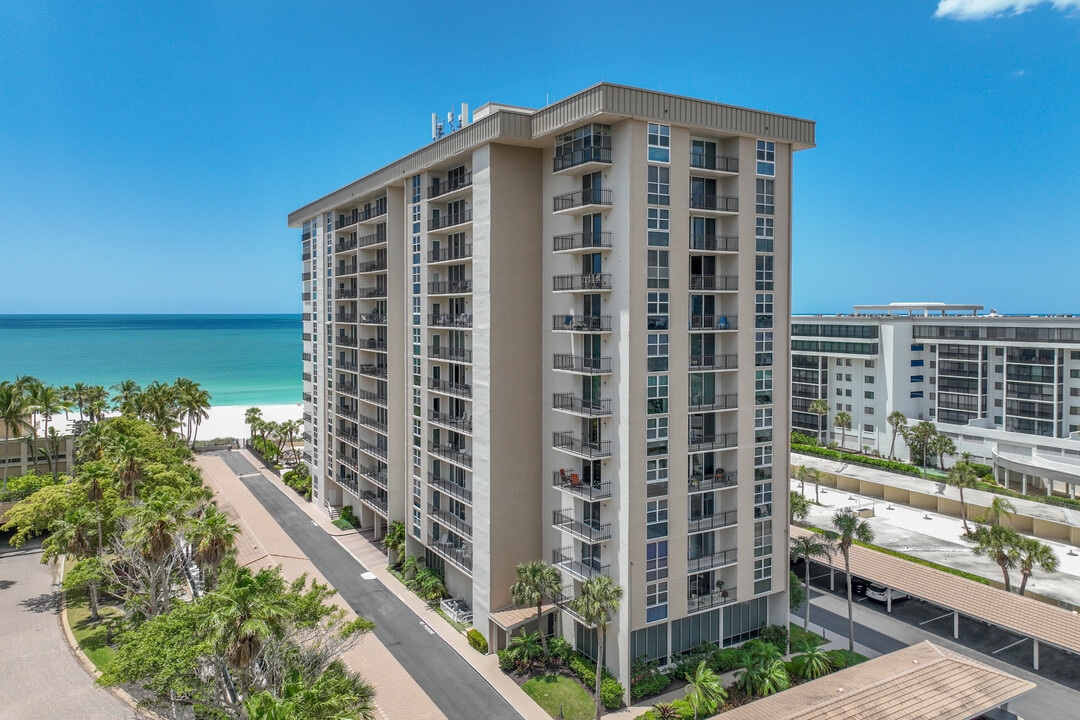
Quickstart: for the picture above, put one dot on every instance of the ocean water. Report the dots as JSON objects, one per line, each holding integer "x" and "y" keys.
{"x": 239, "y": 359}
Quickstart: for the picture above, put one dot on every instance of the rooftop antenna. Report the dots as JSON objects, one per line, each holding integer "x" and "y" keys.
{"x": 450, "y": 121}
{"x": 436, "y": 127}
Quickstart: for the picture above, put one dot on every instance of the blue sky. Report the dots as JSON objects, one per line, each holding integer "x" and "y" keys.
{"x": 150, "y": 152}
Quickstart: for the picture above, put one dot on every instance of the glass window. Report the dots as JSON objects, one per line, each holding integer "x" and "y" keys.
{"x": 763, "y": 386}
{"x": 659, "y": 186}
{"x": 658, "y": 268}
{"x": 766, "y": 157}
{"x": 763, "y": 538}
{"x": 658, "y": 394}
{"x": 656, "y": 560}
{"x": 656, "y": 428}
{"x": 658, "y": 352}
{"x": 659, "y": 143}
{"x": 659, "y": 224}
{"x": 656, "y": 470}
{"x": 763, "y": 456}
{"x": 763, "y": 278}
{"x": 655, "y": 601}
{"x": 762, "y": 575}
{"x": 656, "y": 518}
{"x": 765, "y": 200}
{"x": 764, "y": 229}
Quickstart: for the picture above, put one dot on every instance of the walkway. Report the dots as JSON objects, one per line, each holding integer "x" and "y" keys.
{"x": 41, "y": 678}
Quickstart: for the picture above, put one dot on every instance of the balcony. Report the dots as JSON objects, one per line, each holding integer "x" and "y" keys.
{"x": 370, "y": 422}
{"x": 451, "y": 388}
{"x": 373, "y": 344}
{"x": 461, "y": 424}
{"x": 564, "y": 520}
{"x": 372, "y": 266}
{"x": 571, "y": 403}
{"x": 349, "y": 483}
{"x": 583, "y": 159}
{"x": 714, "y": 203}
{"x": 371, "y": 397}
{"x": 448, "y": 254}
{"x": 451, "y": 521}
{"x": 586, "y": 282}
{"x": 345, "y": 317}
{"x": 569, "y": 481}
{"x": 372, "y": 292}
{"x": 458, "y": 182}
{"x": 374, "y": 474}
{"x": 349, "y": 436}
{"x": 714, "y": 322}
{"x": 348, "y": 461}
{"x": 714, "y": 362}
{"x": 345, "y": 294}
{"x": 581, "y": 323}
{"x": 582, "y": 241}
{"x": 581, "y": 201}
{"x": 376, "y": 238}
{"x": 712, "y": 441}
{"x": 461, "y": 320}
{"x": 570, "y": 443}
{"x": 373, "y": 371}
{"x": 451, "y": 452}
{"x": 451, "y": 488}
{"x": 442, "y": 222}
{"x": 718, "y": 480}
{"x": 347, "y": 389}
{"x": 705, "y": 403}
{"x": 459, "y": 556}
{"x": 582, "y": 365}
{"x": 374, "y": 501}
{"x": 715, "y": 243}
{"x": 449, "y": 287}
{"x": 711, "y": 562}
{"x": 346, "y": 340}
{"x": 442, "y": 352}
{"x": 345, "y": 244}
{"x": 713, "y": 522}
{"x": 563, "y": 558}
{"x": 345, "y": 413}
{"x": 371, "y": 319}
{"x": 714, "y": 283}
{"x": 697, "y": 603}
{"x": 718, "y": 163}
{"x": 372, "y": 449}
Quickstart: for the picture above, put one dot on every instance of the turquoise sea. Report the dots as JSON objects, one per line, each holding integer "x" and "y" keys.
{"x": 239, "y": 359}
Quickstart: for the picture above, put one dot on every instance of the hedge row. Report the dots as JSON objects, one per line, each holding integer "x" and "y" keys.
{"x": 855, "y": 459}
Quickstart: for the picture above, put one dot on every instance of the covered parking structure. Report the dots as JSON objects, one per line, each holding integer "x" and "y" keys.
{"x": 1032, "y": 619}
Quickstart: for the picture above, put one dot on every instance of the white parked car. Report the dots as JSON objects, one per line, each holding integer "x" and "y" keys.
{"x": 882, "y": 593}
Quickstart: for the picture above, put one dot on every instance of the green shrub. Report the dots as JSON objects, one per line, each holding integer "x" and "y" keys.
{"x": 775, "y": 635}
{"x": 560, "y": 649}
{"x": 348, "y": 514}
{"x": 856, "y": 459}
{"x": 342, "y": 524}
{"x": 728, "y": 659}
{"x": 981, "y": 470}
{"x": 24, "y": 486}
{"x": 506, "y": 661}
{"x": 477, "y": 640}
{"x": 652, "y": 684}
{"x": 611, "y": 693}
{"x": 798, "y": 438}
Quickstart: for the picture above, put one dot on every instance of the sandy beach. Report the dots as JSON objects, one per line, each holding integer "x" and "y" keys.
{"x": 224, "y": 421}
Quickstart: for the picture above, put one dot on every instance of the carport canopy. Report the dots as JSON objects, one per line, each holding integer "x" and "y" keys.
{"x": 1021, "y": 615}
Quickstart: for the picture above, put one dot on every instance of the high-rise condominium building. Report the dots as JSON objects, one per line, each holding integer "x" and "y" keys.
{"x": 1005, "y": 388}
{"x": 549, "y": 335}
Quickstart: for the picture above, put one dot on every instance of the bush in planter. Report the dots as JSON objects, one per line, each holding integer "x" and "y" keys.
{"x": 611, "y": 693}
{"x": 649, "y": 684}
{"x": 478, "y": 641}
{"x": 342, "y": 524}
{"x": 506, "y": 661}
{"x": 777, "y": 636}
{"x": 559, "y": 649}
{"x": 728, "y": 659}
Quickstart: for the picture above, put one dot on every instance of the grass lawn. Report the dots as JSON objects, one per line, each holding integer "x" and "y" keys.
{"x": 849, "y": 658}
{"x": 554, "y": 691}
{"x": 90, "y": 636}
{"x": 798, "y": 634}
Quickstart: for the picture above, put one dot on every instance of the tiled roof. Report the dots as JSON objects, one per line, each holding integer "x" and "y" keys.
{"x": 1031, "y": 618}
{"x": 922, "y": 681}
{"x": 512, "y": 616}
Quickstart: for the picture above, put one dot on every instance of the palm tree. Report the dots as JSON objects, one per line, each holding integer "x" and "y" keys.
{"x": 842, "y": 420}
{"x": 126, "y": 397}
{"x": 897, "y": 421}
{"x": 211, "y": 534}
{"x": 599, "y": 598}
{"x": 336, "y": 694}
{"x": 801, "y": 474}
{"x": 962, "y": 475}
{"x": 126, "y": 453}
{"x": 533, "y": 582}
{"x": 704, "y": 691}
{"x": 941, "y": 445}
{"x": 526, "y": 649}
{"x": 1000, "y": 544}
{"x": 816, "y": 475}
{"x": 798, "y": 507}
{"x": 821, "y": 409}
{"x": 1000, "y": 508}
{"x": 155, "y": 525}
{"x": 289, "y": 429}
{"x": 96, "y": 402}
{"x": 1035, "y": 554}
{"x": 765, "y": 673}
{"x": 812, "y": 663}
{"x": 77, "y": 395}
{"x": 918, "y": 436}
{"x": 251, "y": 418}
{"x": 46, "y": 399}
{"x": 807, "y": 548}
{"x": 15, "y": 415}
{"x": 194, "y": 402}
{"x": 394, "y": 539}
{"x": 849, "y": 528}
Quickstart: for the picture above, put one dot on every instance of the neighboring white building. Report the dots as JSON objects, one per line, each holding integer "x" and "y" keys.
{"x": 549, "y": 334}
{"x": 1005, "y": 388}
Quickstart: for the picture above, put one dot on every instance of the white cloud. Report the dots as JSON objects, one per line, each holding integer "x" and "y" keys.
{"x": 982, "y": 9}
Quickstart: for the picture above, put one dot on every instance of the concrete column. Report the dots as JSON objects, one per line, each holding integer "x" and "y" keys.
{"x": 1049, "y": 487}
{"x": 888, "y": 600}
{"x": 1023, "y": 483}
{"x": 832, "y": 580}
{"x": 955, "y": 625}
{"x": 1035, "y": 652}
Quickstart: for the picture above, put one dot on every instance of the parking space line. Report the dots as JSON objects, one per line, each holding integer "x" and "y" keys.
{"x": 1021, "y": 640}
{"x": 939, "y": 617}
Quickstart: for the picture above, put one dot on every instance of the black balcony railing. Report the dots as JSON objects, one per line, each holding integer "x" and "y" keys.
{"x": 460, "y": 320}
{"x": 376, "y": 238}
{"x": 581, "y": 198}
{"x": 592, "y": 407}
{"x": 374, "y": 370}
{"x": 449, "y": 220}
{"x": 372, "y": 266}
{"x": 715, "y": 243}
{"x": 717, "y": 480}
{"x": 719, "y": 203}
{"x": 581, "y": 323}
{"x": 712, "y": 441}
{"x": 450, "y": 520}
{"x": 460, "y": 422}
{"x": 452, "y": 252}
{"x": 451, "y": 488}
{"x": 372, "y": 449}
{"x": 714, "y": 322}
{"x": 345, "y": 294}
{"x": 346, "y": 269}
{"x": 714, "y": 162}
{"x": 374, "y": 474}
{"x": 449, "y": 287}
{"x": 372, "y": 292}
{"x": 373, "y": 344}
{"x": 371, "y": 319}
{"x": 584, "y": 365}
{"x": 717, "y": 283}
{"x": 375, "y": 501}
{"x": 582, "y": 241}
{"x": 714, "y": 362}
{"x": 458, "y": 555}
{"x": 567, "y": 440}
{"x": 582, "y": 281}
{"x": 599, "y": 154}
{"x": 372, "y": 397}
{"x": 451, "y": 388}
{"x": 459, "y": 181}
{"x": 696, "y": 603}
{"x": 571, "y": 481}
{"x": 719, "y": 559}
{"x": 452, "y": 452}
{"x": 442, "y": 352}
{"x": 564, "y": 559}
{"x": 564, "y": 520}
{"x": 705, "y": 403}
{"x": 345, "y": 244}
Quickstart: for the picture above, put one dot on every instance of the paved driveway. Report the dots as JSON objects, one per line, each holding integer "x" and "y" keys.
{"x": 39, "y": 677}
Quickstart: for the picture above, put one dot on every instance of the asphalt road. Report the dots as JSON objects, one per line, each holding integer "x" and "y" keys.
{"x": 1057, "y": 696}
{"x": 452, "y": 684}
